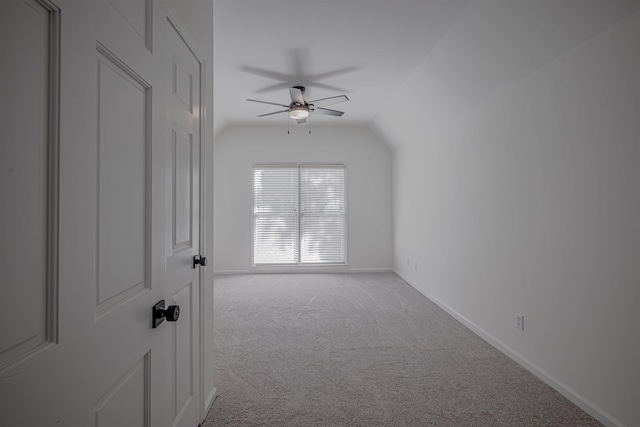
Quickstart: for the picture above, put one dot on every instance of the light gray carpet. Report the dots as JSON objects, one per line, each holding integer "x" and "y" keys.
{"x": 362, "y": 350}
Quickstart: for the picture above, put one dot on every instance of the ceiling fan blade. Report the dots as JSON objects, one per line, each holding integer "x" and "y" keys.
{"x": 300, "y": 121}
{"x": 326, "y": 75}
{"x": 326, "y": 87}
{"x": 328, "y": 112}
{"x": 270, "y": 103}
{"x": 329, "y": 101}
{"x": 266, "y": 73}
{"x": 296, "y": 95}
{"x": 274, "y": 87}
{"x": 275, "y": 112}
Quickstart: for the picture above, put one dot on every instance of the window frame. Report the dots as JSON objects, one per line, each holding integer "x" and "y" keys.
{"x": 299, "y": 265}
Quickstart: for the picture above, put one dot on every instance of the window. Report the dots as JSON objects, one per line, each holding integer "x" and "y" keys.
{"x": 298, "y": 214}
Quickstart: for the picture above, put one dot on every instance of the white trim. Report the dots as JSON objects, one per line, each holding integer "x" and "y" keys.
{"x": 208, "y": 402}
{"x": 345, "y": 192}
{"x": 580, "y": 401}
{"x": 303, "y": 270}
{"x": 371, "y": 270}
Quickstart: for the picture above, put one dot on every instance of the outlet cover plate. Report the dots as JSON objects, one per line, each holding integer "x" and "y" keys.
{"x": 519, "y": 322}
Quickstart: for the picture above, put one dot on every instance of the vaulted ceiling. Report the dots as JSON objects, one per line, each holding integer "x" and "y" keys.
{"x": 464, "y": 51}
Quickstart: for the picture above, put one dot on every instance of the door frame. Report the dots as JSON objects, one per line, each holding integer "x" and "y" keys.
{"x": 174, "y": 20}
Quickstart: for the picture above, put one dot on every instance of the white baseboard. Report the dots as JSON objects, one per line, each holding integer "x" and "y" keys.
{"x": 370, "y": 270}
{"x": 303, "y": 270}
{"x": 208, "y": 402}
{"x": 230, "y": 272}
{"x": 586, "y": 405}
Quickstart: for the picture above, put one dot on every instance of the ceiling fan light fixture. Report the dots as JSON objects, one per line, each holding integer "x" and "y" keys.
{"x": 299, "y": 113}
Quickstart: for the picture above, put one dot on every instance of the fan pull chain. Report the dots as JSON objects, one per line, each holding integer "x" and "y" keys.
{"x": 288, "y": 124}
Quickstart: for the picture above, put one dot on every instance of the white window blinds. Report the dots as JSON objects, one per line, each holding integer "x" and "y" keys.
{"x": 299, "y": 215}
{"x": 276, "y": 215}
{"x": 322, "y": 214}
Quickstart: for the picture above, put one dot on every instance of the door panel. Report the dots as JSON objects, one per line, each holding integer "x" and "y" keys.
{"x": 183, "y": 368}
{"x": 182, "y": 173}
{"x": 183, "y": 281}
{"x": 27, "y": 147}
{"x": 183, "y": 85}
{"x": 123, "y": 220}
{"x": 127, "y": 403}
{"x": 138, "y": 14}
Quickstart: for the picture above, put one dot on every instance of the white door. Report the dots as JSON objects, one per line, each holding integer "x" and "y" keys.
{"x": 83, "y": 213}
{"x": 184, "y": 243}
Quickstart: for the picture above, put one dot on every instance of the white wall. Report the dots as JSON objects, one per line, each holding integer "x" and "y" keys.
{"x": 530, "y": 203}
{"x": 368, "y": 162}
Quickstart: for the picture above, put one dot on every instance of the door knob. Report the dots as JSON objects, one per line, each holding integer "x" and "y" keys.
{"x": 171, "y": 313}
{"x": 199, "y": 259}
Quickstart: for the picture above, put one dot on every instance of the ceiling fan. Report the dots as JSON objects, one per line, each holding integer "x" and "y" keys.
{"x": 299, "y": 109}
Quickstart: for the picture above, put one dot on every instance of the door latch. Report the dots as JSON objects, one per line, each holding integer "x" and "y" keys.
{"x": 199, "y": 259}
{"x": 171, "y": 313}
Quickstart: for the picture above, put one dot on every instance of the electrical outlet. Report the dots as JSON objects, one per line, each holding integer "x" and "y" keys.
{"x": 519, "y": 322}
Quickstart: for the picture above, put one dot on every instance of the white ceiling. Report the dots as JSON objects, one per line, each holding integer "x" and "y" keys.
{"x": 366, "y": 49}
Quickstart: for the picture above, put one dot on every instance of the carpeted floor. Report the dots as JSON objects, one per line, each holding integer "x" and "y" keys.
{"x": 362, "y": 350}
